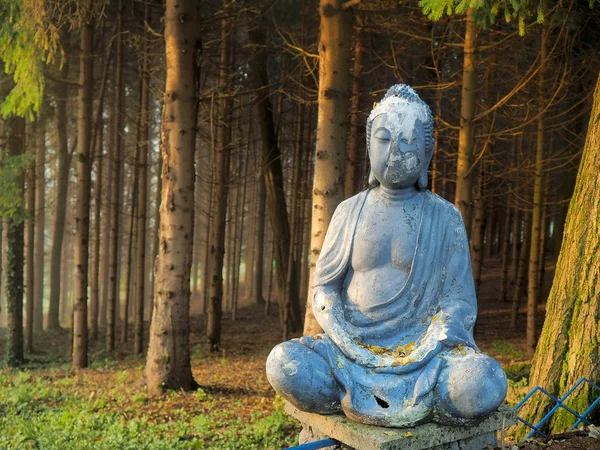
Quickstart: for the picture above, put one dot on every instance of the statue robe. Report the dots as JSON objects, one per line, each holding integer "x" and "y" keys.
{"x": 438, "y": 293}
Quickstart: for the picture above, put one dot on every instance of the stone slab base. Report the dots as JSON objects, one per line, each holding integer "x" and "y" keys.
{"x": 428, "y": 436}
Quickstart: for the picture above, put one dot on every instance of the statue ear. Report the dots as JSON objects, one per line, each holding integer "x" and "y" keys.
{"x": 422, "y": 181}
{"x": 372, "y": 180}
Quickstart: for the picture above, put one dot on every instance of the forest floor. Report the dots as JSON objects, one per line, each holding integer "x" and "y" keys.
{"x": 47, "y": 406}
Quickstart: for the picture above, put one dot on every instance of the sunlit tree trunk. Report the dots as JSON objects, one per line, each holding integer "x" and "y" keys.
{"x": 520, "y": 280}
{"x": 168, "y": 363}
{"x": 464, "y": 186}
{"x": 82, "y": 218}
{"x": 14, "y": 246}
{"x": 332, "y": 128}
{"x": 568, "y": 345}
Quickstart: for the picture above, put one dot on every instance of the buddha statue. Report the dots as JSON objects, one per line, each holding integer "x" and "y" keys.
{"x": 393, "y": 290}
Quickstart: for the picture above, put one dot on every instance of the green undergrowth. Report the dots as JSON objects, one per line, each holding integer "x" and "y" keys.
{"x": 45, "y": 412}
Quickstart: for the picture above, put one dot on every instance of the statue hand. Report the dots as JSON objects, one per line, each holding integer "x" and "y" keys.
{"x": 415, "y": 360}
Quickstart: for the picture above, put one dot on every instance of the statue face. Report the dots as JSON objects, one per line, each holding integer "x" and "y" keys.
{"x": 397, "y": 148}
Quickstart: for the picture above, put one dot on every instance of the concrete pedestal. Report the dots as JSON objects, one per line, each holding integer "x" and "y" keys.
{"x": 428, "y": 436}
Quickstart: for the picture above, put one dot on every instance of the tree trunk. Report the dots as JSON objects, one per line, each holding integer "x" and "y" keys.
{"x": 258, "y": 262}
{"x": 221, "y": 168}
{"x": 30, "y": 281}
{"x": 464, "y": 190}
{"x": 478, "y": 231}
{"x": 534, "y": 254}
{"x": 506, "y": 252}
{"x": 140, "y": 280}
{"x": 40, "y": 220}
{"x": 168, "y": 363}
{"x": 520, "y": 280}
{"x": 351, "y": 179}
{"x": 330, "y": 152}
{"x": 14, "y": 238}
{"x": 115, "y": 204}
{"x": 82, "y": 218}
{"x": 568, "y": 345}
{"x": 62, "y": 185}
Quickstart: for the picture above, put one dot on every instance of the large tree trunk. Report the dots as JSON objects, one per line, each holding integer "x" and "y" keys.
{"x": 221, "y": 168}
{"x": 568, "y": 345}
{"x": 168, "y": 363}
{"x": 464, "y": 189}
{"x": 330, "y": 152}
{"x": 62, "y": 185}
{"x": 14, "y": 242}
{"x": 82, "y": 218}
{"x": 115, "y": 204}
{"x": 30, "y": 244}
{"x": 140, "y": 279}
{"x": 40, "y": 220}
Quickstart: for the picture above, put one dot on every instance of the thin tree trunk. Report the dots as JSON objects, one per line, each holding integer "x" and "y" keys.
{"x": 534, "y": 254}
{"x": 62, "y": 185}
{"x": 117, "y": 127}
{"x": 140, "y": 281}
{"x": 353, "y": 157}
{"x": 40, "y": 220}
{"x": 30, "y": 281}
{"x": 520, "y": 280}
{"x": 168, "y": 362}
{"x": 14, "y": 242}
{"x": 506, "y": 252}
{"x": 259, "y": 238}
{"x": 334, "y": 80}
{"x": 464, "y": 189}
{"x": 221, "y": 167}
{"x": 478, "y": 231}
{"x": 82, "y": 218}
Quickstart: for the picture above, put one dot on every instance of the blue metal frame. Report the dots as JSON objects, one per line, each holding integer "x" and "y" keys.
{"x": 559, "y": 403}
{"x": 317, "y": 444}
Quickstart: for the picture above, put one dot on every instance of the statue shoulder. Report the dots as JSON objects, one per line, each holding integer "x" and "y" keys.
{"x": 350, "y": 204}
{"x": 444, "y": 206}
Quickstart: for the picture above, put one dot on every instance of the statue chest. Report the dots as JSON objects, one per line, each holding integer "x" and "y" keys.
{"x": 385, "y": 239}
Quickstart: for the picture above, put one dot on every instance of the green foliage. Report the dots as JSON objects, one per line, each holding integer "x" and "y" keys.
{"x": 487, "y": 12}
{"x": 39, "y": 412}
{"x": 11, "y": 199}
{"x": 28, "y": 41}
{"x": 507, "y": 350}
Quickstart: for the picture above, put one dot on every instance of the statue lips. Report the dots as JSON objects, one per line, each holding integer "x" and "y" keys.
{"x": 402, "y": 166}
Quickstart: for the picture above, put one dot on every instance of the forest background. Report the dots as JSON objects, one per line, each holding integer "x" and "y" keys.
{"x": 169, "y": 172}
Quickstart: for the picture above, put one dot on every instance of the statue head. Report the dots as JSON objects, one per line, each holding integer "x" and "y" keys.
{"x": 400, "y": 139}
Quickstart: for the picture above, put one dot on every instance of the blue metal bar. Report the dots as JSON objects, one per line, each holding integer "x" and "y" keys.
{"x": 316, "y": 445}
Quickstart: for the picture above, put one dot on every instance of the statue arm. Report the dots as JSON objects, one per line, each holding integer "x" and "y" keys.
{"x": 458, "y": 305}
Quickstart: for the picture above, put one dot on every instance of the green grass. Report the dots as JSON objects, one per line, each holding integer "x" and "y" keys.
{"x": 46, "y": 412}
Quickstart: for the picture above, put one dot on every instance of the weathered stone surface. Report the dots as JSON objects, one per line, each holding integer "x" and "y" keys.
{"x": 428, "y": 436}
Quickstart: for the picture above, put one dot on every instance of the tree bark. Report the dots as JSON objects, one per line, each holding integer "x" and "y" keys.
{"x": 14, "y": 242}
{"x": 82, "y": 218}
{"x": 464, "y": 189}
{"x": 168, "y": 363}
{"x": 520, "y": 280}
{"x": 330, "y": 152}
{"x": 506, "y": 252}
{"x": 568, "y": 345}
{"x": 258, "y": 262}
{"x": 478, "y": 232}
